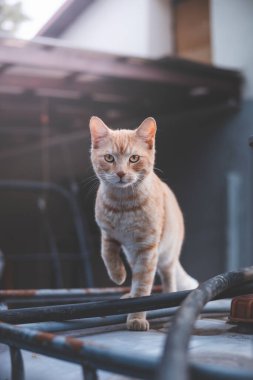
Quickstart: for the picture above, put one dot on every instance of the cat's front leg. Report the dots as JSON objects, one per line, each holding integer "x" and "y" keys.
{"x": 112, "y": 259}
{"x": 143, "y": 273}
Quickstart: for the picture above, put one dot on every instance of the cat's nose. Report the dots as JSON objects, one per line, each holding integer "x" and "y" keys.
{"x": 121, "y": 174}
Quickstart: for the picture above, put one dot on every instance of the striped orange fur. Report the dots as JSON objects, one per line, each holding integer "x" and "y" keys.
{"x": 136, "y": 212}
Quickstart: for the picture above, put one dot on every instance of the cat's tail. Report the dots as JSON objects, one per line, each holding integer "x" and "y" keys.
{"x": 184, "y": 280}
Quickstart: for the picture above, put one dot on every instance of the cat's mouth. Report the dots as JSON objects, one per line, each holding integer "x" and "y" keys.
{"x": 121, "y": 183}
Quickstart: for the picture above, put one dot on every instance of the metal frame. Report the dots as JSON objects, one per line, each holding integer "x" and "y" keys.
{"x": 37, "y": 335}
{"x": 46, "y": 187}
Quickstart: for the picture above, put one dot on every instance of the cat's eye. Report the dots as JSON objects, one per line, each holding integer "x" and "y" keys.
{"x": 134, "y": 158}
{"x": 109, "y": 158}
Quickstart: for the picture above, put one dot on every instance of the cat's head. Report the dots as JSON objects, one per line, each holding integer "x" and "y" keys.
{"x": 122, "y": 158}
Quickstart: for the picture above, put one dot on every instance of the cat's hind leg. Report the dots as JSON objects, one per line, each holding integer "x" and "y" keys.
{"x": 167, "y": 264}
{"x": 168, "y": 276}
{"x": 113, "y": 262}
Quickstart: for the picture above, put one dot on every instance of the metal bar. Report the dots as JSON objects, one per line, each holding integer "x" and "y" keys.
{"x": 77, "y": 351}
{"x": 234, "y": 221}
{"x": 20, "y": 303}
{"x": 47, "y": 293}
{"x": 117, "y": 319}
{"x": 199, "y": 371}
{"x": 24, "y": 298}
{"x": 55, "y": 259}
{"x": 77, "y": 218}
{"x": 96, "y": 309}
{"x": 92, "y": 322}
{"x": 173, "y": 364}
{"x": 81, "y": 292}
{"x": 17, "y": 364}
{"x": 92, "y": 309}
{"x": 89, "y": 373}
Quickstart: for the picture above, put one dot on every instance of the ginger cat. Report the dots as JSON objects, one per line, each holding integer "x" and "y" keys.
{"x": 137, "y": 212}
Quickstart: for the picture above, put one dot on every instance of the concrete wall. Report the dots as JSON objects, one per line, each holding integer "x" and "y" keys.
{"x": 232, "y": 31}
{"x": 197, "y": 153}
{"x": 139, "y": 28}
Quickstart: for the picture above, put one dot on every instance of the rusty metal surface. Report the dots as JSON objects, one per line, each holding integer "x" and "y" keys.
{"x": 214, "y": 341}
{"x": 65, "y": 292}
{"x": 108, "y": 347}
{"x": 242, "y": 309}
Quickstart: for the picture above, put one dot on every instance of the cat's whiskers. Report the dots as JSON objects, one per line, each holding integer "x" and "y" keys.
{"x": 87, "y": 180}
{"x": 93, "y": 187}
{"x": 161, "y": 171}
{"x": 92, "y": 183}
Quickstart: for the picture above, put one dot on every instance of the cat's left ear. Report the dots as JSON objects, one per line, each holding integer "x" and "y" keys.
{"x": 147, "y": 131}
{"x": 98, "y": 130}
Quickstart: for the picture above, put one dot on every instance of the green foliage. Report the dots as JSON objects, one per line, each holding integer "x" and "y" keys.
{"x": 11, "y": 16}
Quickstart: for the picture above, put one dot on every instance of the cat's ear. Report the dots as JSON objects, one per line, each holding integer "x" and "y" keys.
{"x": 147, "y": 131}
{"x": 98, "y": 130}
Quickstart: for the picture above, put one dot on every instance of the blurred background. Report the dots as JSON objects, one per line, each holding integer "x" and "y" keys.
{"x": 188, "y": 63}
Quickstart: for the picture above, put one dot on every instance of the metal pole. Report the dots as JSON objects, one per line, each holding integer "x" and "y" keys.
{"x": 174, "y": 361}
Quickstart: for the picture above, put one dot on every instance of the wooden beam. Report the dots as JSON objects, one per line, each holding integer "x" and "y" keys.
{"x": 104, "y": 65}
{"x": 135, "y": 91}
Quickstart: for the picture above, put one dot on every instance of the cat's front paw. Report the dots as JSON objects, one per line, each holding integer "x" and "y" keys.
{"x": 118, "y": 276}
{"x": 137, "y": 324}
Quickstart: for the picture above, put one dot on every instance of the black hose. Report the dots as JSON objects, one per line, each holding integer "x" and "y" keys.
{"x": 103, "y": 308}
{"x": 92, "y": 309}
{"x": 174, "y": 362}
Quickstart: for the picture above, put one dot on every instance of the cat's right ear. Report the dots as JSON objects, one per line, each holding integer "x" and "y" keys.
{"x": 98, "y": 130}
{"x": 147, "y": 131}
